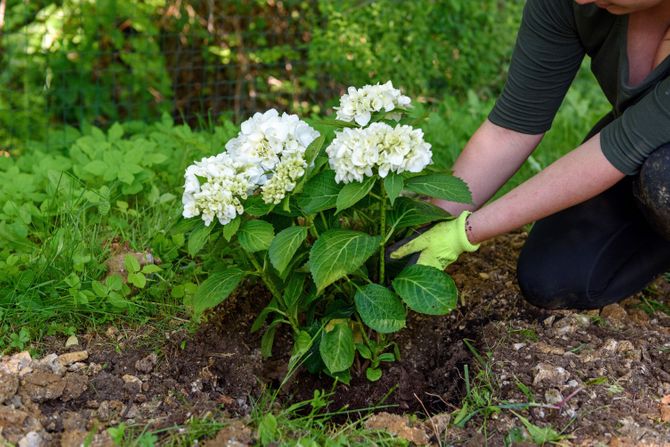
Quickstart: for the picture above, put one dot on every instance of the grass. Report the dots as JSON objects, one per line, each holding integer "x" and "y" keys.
{"x": 308, "y": 423}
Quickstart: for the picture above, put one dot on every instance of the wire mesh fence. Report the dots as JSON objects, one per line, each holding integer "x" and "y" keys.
{"x": 69, "y": 62}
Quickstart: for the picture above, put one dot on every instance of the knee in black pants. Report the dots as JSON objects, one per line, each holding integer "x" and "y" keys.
{"x": 651, "y": 189}
{"x": 537, "y": 282}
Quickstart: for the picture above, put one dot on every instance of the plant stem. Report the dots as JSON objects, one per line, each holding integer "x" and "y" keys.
{"x": 382, "y": 233}
{"x": 266, "y": 280}
{"x": 311, "y": 227}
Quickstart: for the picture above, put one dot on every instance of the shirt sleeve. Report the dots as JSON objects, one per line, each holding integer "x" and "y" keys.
{"x": 643, "y": 127}
{"x": 546, "y": 57}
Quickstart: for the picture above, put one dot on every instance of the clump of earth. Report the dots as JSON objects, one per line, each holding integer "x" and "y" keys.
{"x": 598, "y": 377}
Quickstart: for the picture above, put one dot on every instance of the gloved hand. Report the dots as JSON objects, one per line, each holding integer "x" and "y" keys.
{"x": 441, "y": 245}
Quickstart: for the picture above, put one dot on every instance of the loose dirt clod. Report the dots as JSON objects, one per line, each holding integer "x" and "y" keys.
{"x": 399, "y": 426}
{"x": 146, "y": 364}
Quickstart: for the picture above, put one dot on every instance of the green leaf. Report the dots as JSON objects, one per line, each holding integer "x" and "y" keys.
{"x": 380, "y": 309}
{"x": 285, "y": 245}
{"x": 373, "y": 374}
{"x": 337, "y": 347}
{"x": 216, "y": 288}
{"x": 114, "y": 282}
{"x": 267, "y": 429}
{"x": 352, "y": 192}
{"x": 337, "y": 253}
{"x": 115, "y": 132}
{"x": 155, "y": 159}
{"x": 313, "y": 149}
{"x": 293, "y": 291}
{"x": 259, "y": 321}
{"x": 117, "y": 300}
{"x": 320, "y": 193}
{"x": 99, "y": 289}
{"x": 334, "y": 123}
{"x": 393, "y": 184}
{"x": 268, "y": 339}
{"x": 387, "y": 357}
{"x": 150, "y": 268}
{"x": 426, "y": 290}
{"x": 302, "y": 342}
{"x": 255, "y": 235}
{"x": 137, "y": 279}
{"x": 231, "y": 228}
{"x": 539, "y": 435}
{"x": 198, "y": 238}
{"x": 409, "y": 213}
{"x": 131, "y": 263}
{"x": 256, "y": 206}
{"x": 364, "y": 351}
{"x": 441, "y": 186}
{"x": 342, "y": 376}
{"x": 96, "y": 167}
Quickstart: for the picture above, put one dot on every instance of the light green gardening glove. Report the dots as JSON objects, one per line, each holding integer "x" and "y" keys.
{"x": 441, "y": 245}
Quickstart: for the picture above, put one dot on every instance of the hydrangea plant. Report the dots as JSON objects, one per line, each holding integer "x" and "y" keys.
{"x": 310, "y": 215}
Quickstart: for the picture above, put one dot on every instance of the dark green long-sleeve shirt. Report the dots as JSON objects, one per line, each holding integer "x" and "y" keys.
{"x": 553, "y": 38}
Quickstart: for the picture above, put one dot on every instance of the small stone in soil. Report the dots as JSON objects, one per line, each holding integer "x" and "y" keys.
{"x": 41, "y": 386}
{"x": 553, "y": 375}
{"x": 9, "y": 384}
{"x": 72, "y": 340}
{"x": 32, "y": 439}
{"x": 553, "y": 396}
{"x": 399, "y": 426}
{"x": 132, "y": 384}
{"x": 72, "y": 357}
{"x": 147, "y": 364}
{"x": 615, "y": 314}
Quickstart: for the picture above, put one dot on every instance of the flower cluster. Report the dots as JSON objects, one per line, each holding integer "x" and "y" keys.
{"x": 356, "y": 153}
{"x": 215, "y": 186}
{"x": 359, "y": 104}
{"x": 268, "y": 153}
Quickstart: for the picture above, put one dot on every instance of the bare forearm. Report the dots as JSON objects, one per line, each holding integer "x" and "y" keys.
{"x": 488, "y": 160}
{"x": 574, "y": 178}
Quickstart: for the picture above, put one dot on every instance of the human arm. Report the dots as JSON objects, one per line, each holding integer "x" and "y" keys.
{"x": 491, "y": 156}
{"x": 577, "y": 176}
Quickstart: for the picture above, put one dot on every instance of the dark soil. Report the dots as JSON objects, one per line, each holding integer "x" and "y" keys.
{"x": 597, "y": 376}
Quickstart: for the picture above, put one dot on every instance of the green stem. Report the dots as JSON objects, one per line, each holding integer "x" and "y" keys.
{"x": 266, "y": 280}
{"x": 311, "y": 227}
{"x": 382, "y": 233}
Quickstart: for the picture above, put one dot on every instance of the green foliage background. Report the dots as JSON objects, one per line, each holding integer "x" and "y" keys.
{"x": 178, "y": 76}
{"x": 74, "y": 61}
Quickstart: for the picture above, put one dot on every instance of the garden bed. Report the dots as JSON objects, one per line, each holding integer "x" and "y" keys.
{"x": 597, "y": 377}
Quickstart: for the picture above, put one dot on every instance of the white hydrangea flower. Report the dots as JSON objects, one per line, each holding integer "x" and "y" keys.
{"x": 269, "y": 152}
{"x": 215, "y": 186}
{"x": 267, "y": 137}
{"x": 402, "y": 149}
{"x": 359, "y": 104}
{"x": 353, "y": 154}
{"x": 284, "y": 179}
{"x": 356, "y": 153}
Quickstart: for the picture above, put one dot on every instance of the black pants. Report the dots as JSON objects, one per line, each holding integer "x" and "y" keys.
{"x": 604, "y": 249}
